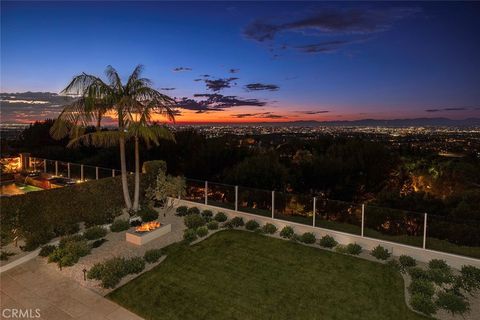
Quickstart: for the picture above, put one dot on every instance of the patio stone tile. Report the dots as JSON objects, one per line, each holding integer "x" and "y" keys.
{"x": 9, "y": 285}
{"x": 93, "y": 316}
{"x": 123, "y": 314}
{"x": 53, "y": 313}
{"x": 72, "y": 306}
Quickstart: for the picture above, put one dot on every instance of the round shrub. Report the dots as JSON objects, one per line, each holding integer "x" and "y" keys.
{"x": 120, "y": 225}
{"x": 47, "y": 250}
{"x": 95, "y": 232}
{"x": 237, "y": 222}
{"x": 421, "y": 286}
{"x": 152, "y": 255}
{"x": 212, "y": 225}
{"x": 394, "y": 264}
{"x": 287, "y": 232}
{"x": 135, "y": 223}
{"x": 189, "y": 235}
{"x": 181, "y": 211}
{"x": 470, "y": 278}
{"x": 407, "y": 261}
{"x": 71, "y": 238}
{"x": 220, "y": 217}
{"x": 134, "y": 265}
{"x": 308, "y": 238}
{"x": 438, "y": 264}
{"x": 252, "y": 225}
{"x": 207, "y": 214}
{"x": 228, "y": 225}
{"x": 67, "y": 260}
{"x": 380, "y": 253}
{"x": 423, "y": 304}
{"x": 148, "y": 214}
{"x": 95, "y": 271}
{"x": 452, "y": 303}
{"x": 269, "y": 228}
{"x": 418, "y": 273}
{"x": 193, "y": 210}
{"x": 202, "y": 232}
{"x": 440, "y": 276}
{"x": 353, "y": 248}
{"x": 328, "y": 242}
{"x": 193, "y": 221}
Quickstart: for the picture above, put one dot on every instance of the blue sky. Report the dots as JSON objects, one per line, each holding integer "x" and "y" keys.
{"x": 295, "y": 61}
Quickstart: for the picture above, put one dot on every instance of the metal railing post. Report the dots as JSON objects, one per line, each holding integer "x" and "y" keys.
{"x": 113, "y": 173}
{"x": 206, "y": 192}
{"x": 236, "y": 198}
{"x": 44, "y": 165}
{"x": 425, "y": 231}
{"x": 96, "y": 173}
{"x": 273, "y": 204}
{"x": 56, "y": 168}
{"x": 68, "y": 170}
{"x": 314, "y": 210}
{"x": 81, "y": 172}
{"x": 363, "y": 217}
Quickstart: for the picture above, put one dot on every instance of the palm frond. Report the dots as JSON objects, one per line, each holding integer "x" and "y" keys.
{"x": 97, "y": 139}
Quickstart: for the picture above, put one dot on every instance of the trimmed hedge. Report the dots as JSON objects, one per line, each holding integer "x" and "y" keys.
{"x": 42, "y": 215}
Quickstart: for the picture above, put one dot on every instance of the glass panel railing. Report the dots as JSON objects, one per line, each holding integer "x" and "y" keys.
{"x": 294, "y": 207}
{"x": 255, "y": 201}
{"x": 338, "y": 215}
{"x": 394, "y": 225}
{"x": 62, "y": 169}
{"x": 89, "y": 173}
{"x": 75, "y": 171}
{"x": 104, "y": 173}
{"x": 50, "y": 167}
{"x": 195, "y": 190}
{"x": 455, "y": 236}
{"x": 221, "y": 195}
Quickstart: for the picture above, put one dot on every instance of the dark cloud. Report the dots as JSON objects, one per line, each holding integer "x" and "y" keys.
{"x": 451, "y": 109}
{"x": 167, "y": 89}
{"x": 234, "y": 70}
{"x": 205, "y": 75}
{"x": 327, "y": 46}
{"x": 179, "y": 69}
{"x": 332, "y": 21}
{"x": 313, "y": 112}
{"x": 260, "y": 86}
{"x": 197, "y": 80}
{"x": 28, "y": 107}
{"x": 219, "y": 84}
{"x": 266, "y": 115}
{"x": 216, "y": 102}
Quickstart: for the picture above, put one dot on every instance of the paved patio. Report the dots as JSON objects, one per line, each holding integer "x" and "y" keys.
{"x": 33, "y": 285}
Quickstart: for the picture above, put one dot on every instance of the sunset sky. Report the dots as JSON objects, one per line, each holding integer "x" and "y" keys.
{"x": 251, "y": 61}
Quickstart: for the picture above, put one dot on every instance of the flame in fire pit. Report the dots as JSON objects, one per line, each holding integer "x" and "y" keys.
{"x": 148, "y": 226}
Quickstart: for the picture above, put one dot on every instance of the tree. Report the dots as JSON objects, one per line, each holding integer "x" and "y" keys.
{"x": 123, "y": 100}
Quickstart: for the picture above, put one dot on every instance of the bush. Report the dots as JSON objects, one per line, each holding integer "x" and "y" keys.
{"x": 287, "y": 232}
{"x": 182, "y": 211}
{"x": 72, "y": 238}
{"x": 98, "y": 243}
{"x": 406, "y": 262}
{"x": 453, "y": 303}
{"x": 152, "y": 255}
{"x": 328, "y": 242}
{"x": 193, "y": 210}
{"x": 4, "y": 255}
{"x": 69, "y": 252}
{"x": 252, "y": 225}
{"x": 380, "y": 253}
{"x": 394, "y": 265}
{"x": 148, "y": 214}
{"x": 134, "y": 265}
{"x": 189, "y": 235}
{"x": 269, "y": 228}
{"x": 418, "y": 273}
{"x": 228, "y": 225}
{"x": 308, "y": 238}
{"x": 95, "y": 232}
{"x": 440, "y": 276}
{"x": 202, "y": 232}
{"x": 421, "y": 286}
{"x": 423, "y": 304}
{"x": 353, "y": 248}
{"x": 135, "y": 223}
{"x": 112, "y": 272}
{"x": 207, "y": 214}
{"x": 220, "y": 217}
{"x": 438, "y": 264}
{"x": 47, "y": 250}
{"x": 193, "y": 221}
{"x": 120, "y": 225}
{"x": 212, "y": 225}
{"x": 237, "y": 222}
{"x": 95, "y": 271}
{"x": 470, "y": 278}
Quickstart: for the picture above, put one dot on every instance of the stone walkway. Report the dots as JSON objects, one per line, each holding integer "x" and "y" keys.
{"x": 33, "y": 285}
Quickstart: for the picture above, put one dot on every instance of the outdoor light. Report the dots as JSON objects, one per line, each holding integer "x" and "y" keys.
{"x": 84, "y": 274}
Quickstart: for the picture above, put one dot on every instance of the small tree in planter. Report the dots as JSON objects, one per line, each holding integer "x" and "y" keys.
{"x": 163, "y": 187}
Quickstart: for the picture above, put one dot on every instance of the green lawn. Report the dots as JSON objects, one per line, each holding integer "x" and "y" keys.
{"x": 242, "y": 275}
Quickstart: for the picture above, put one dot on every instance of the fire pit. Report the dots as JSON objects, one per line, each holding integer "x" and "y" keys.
{"x": 147, "y": 232}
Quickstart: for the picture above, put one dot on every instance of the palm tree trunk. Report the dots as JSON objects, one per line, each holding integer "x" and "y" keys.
{"x": 136, "y": 196}
{"x": 99, "y": 121}
{"x": 123, "y": 167}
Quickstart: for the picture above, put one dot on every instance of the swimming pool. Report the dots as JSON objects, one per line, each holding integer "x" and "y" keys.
{"x": 13, "y": 188}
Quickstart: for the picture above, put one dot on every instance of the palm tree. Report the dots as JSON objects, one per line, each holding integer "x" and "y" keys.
{"x": 97, "y": 98}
